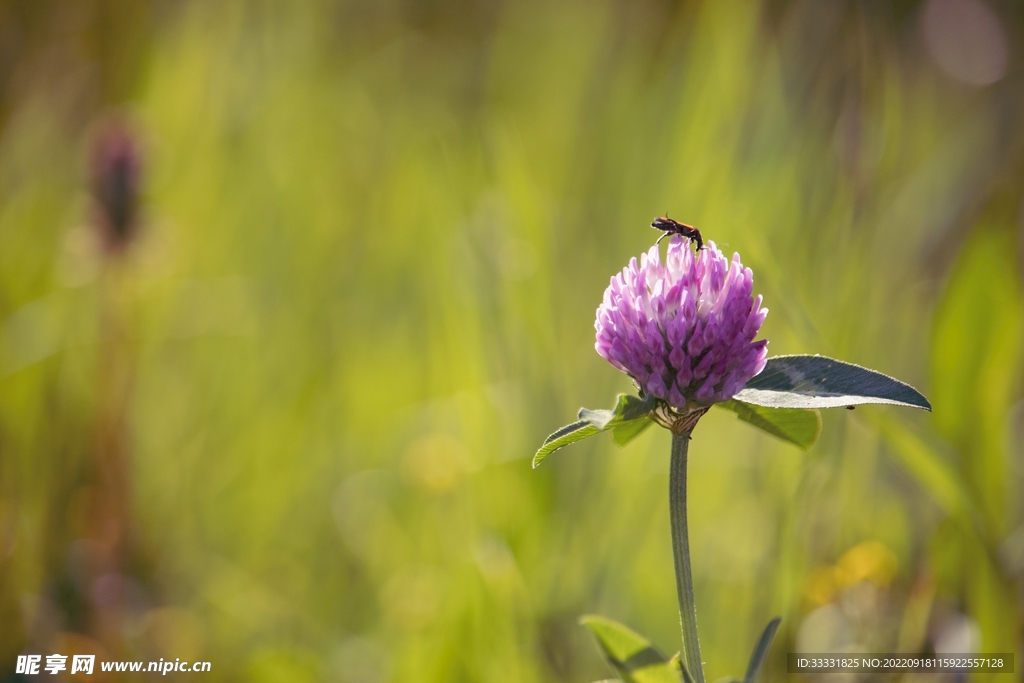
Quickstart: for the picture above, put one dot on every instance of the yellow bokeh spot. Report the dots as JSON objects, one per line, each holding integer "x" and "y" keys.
{"x": 868, "y": 561}
{"x": 821, "y": 586}
{"x": 435, "y": 462}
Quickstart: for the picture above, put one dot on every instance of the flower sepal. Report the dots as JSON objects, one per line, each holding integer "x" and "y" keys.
{"x": 678, "y": 420}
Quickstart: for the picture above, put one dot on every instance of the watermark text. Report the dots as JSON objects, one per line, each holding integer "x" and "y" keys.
{"x": 31, "y": 665}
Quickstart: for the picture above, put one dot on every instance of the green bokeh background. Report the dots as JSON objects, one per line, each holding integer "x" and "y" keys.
{"x": 374, "y": 237}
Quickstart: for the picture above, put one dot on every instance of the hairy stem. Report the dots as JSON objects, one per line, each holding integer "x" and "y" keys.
{"x": 681, "y": 552}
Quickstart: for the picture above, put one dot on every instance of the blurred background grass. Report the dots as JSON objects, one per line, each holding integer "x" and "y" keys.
{"x": 288, "y": 429}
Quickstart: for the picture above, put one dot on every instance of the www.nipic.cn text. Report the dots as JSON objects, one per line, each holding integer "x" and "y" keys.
{"x": 85, "y": 664}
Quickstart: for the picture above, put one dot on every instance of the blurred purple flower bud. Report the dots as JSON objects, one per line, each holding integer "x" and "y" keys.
{"x": 116, "y": 174}
{"x": 683, "y": 329}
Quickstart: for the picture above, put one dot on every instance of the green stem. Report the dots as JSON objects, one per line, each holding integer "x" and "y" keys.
{"x": 681, "y": 552}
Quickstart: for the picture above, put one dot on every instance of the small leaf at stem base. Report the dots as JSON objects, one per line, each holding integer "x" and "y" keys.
{"x": 629, "y": 653}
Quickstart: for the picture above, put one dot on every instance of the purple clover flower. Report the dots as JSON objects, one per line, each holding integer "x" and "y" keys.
{"x": 684, "y": 329}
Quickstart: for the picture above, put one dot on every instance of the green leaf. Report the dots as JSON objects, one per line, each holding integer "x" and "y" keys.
{"x": 568, "y": 434}
{"x": 626, "y": 420}
{"x": 631, "y": 655}
{"x": 798, "y": 426}
{"x": 627, "y": 431}
{"x": 761, "y": 651}
{"x": 819, "y": 382}
{"x": 627, "y": 408}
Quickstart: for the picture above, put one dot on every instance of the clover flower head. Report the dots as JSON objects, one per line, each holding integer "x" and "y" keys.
{"x": 683, "y": 329}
